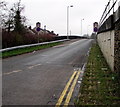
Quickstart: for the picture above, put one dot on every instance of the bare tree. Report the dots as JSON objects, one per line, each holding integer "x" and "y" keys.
{"x": 3, "y": 8}
{"x": 11, "y": 19}
{"x": 18, "y": 20}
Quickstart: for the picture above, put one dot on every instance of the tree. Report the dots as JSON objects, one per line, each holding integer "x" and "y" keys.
{"x": 6, "y": 16}
{"x": 9, "y": 24}
{"x": 11, "y": 19}
{"x": 3, "y": 15}
{"x": 18, "y": 19}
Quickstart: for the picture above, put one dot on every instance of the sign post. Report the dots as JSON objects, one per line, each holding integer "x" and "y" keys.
{"x": 95, "y": 27}
{"x": 38, "y": 25}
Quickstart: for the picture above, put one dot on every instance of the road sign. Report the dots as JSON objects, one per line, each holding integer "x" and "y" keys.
{"x": 38, "y": 24}
{"x": 95, "y": 29}
{"x": 95, "y": 26}
{"x": 38, "y": 29}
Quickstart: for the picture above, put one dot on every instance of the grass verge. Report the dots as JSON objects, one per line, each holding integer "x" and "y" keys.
{"x": 27, "y": 50}
{"x": 100, "y": 86}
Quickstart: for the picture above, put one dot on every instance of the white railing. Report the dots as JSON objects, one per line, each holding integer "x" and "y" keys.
{"x": 31, "y": 45}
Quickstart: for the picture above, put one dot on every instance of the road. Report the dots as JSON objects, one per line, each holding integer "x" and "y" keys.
{"x": 39, "y": 78}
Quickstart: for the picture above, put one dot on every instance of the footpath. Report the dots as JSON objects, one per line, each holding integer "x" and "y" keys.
{"x": 100, "y": 86}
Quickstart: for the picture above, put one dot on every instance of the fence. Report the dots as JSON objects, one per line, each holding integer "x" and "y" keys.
{"x": 109, "y": 10}
{"x": 31, "y": 45}
{"x": 109, "y": 35}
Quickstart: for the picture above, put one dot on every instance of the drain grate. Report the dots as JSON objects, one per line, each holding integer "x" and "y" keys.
{"x": 76, "y": 65}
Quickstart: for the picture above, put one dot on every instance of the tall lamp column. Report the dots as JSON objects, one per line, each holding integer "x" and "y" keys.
{"x": 68, "y": 21}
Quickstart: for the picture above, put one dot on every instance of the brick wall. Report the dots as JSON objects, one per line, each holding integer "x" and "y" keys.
{"x": 117, "y": 48}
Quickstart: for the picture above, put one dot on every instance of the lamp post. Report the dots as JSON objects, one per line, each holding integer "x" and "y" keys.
{"x": 81, "y": 25}
{"x": 88, "y": 29}
{"x": 70, "y": 32}
{"x": 68, "y": 20}
{"x": 38, "y": 25}
{"x": 44, "y": 30}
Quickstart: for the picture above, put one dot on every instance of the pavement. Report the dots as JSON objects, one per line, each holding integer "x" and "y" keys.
{"x": 41, "y": 77}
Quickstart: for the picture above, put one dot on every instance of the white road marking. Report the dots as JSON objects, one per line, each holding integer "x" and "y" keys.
{"x": 48, "y": 62}
{"x": 16, "y": 71}
{"x": 30, "y": 67}
{"x": 12, "y": 72}
{"x": 74, "y": 43}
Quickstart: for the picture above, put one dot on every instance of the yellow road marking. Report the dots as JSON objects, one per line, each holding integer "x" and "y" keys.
{"x": 65, "y": 90}
{"x": 33, "y": 66}
{"x": 71, "y": 90}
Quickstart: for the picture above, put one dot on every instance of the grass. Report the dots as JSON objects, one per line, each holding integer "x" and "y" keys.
{"x": 100, "y": 86}
{"x": 27, "y": 50}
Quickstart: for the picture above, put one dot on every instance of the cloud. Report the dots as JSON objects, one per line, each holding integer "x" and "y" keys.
{"x": 53, "y": 13}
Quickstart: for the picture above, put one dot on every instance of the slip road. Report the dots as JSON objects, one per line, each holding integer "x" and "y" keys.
{"x": 44, "y": 77}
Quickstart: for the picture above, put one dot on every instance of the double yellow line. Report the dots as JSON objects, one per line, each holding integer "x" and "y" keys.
{"x": 73, "y": 78}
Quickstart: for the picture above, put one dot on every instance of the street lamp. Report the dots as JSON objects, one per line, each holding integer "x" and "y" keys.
{"x": 81, "y": 25}
{"x": 68, "y": 20}
{"x": 88, "y": 29}
{"x": 44, "y": 30}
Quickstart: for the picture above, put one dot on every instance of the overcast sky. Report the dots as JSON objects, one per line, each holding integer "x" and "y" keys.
{"x": 53, "y": 14}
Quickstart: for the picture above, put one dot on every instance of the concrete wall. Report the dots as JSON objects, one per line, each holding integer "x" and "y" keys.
{"x": 106, "y": 43}
{"x": 109, "y": 40}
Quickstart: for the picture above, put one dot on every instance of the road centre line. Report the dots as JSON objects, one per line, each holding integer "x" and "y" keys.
{"x": 30, "y": 67}
{"x": 65, "y": 90}
{"x": 71, "y": 91}
{"x": 15, "y": 71}
{"x": 74, "y": 43}
{"x": 12, "y": 72}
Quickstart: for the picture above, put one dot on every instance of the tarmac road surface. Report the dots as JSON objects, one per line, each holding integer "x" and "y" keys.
{"x": 44, "y": 77}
